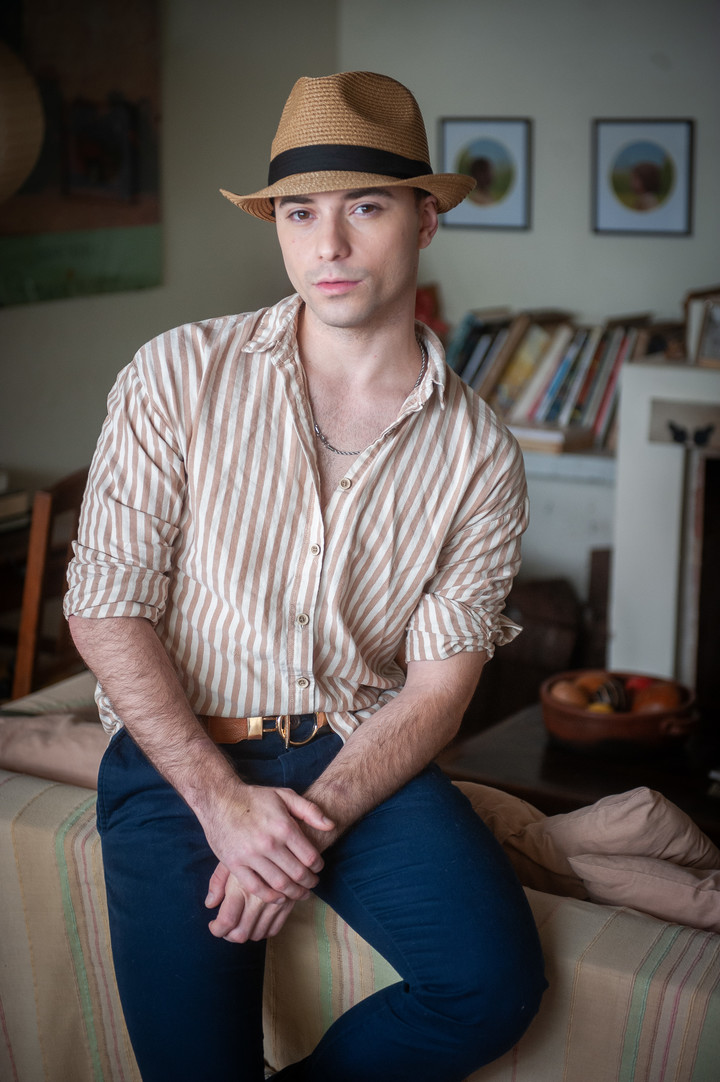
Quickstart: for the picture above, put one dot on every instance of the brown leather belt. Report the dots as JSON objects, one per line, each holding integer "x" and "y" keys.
{"x": 233, "y": 730}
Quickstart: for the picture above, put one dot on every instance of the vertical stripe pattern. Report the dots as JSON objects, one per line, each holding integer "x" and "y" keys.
{"x": 203, "y": 515}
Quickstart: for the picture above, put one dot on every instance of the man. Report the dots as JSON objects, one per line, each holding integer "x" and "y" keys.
{"x": 299, "y": 532}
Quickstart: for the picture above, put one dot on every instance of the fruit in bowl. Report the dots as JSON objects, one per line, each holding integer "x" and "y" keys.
{"x": 590, "y": 707}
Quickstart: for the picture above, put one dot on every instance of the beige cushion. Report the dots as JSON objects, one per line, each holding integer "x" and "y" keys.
{"x": 684, "y": 895}
{"x": 74, "y": 695}
{"x": 640, "y": 822}
{"x": 61, "y": 747}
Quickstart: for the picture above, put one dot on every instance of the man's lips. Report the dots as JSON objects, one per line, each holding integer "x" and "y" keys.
{"x": 333, "y": 287}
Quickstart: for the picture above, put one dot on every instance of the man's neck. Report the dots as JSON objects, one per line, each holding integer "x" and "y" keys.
{"x": 378, "y": 358}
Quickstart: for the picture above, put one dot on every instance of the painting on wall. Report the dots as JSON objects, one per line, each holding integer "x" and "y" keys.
{"x": 496, "y": 152}
{"x": 87, "y": 219}
{"x": 643, "y": 175}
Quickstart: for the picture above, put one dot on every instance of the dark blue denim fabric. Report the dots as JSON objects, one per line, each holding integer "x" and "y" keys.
{"x": 420, "y": 877}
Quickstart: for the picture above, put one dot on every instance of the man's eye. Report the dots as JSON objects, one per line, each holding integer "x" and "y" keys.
{"x": 300, "y": 215}
{"x": 365, "y": 208}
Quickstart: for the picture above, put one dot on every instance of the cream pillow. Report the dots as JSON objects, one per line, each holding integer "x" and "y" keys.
{"x": 61, "y": 747}
{"x": 640, "y": 822}
{"x": 682, "y": 895}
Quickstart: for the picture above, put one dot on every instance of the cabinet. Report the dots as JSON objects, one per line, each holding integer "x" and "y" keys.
{"x": 572, "y": 505}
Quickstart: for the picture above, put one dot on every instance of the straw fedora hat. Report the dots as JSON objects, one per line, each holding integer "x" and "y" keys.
{"x": 352, "y": 130}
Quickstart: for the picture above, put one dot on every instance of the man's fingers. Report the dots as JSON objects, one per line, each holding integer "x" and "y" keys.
{"x": 259, "y": 921}
{"x": 216, "y": 887}
{"x": 291, "y": 879}
{"x": 271, "y": 920}
{"x": 306, "y": 811}
{"x": 243, "y": 917}
{"x": 277, "y": 920}
{"x": 229, "y": 915}
{"x": 268, "y": 882}
{"x": 263, "y": 844}
{"x": 253, "y": 882}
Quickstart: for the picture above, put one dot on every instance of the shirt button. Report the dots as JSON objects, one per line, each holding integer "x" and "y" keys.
{"x": 315, "y": 550}
{"x": 302, "y": 619}
{"x": 303, "y": 682}
{"x": 345, "y": 483}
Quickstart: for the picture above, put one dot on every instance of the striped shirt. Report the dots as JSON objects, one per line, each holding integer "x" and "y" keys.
{"x": 203, "y": 515}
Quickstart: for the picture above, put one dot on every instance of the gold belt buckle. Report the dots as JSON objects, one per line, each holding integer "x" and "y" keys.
{"x": 282, "y": 724}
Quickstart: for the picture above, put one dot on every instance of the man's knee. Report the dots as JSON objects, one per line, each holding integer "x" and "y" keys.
{"x": 486, "y": 1017}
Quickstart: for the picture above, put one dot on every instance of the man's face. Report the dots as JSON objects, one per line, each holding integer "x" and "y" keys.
{"x": 353, "y": 255}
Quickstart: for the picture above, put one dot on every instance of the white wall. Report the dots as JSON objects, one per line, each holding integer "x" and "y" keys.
{"x": 561, "y": 63}
{"x": 227, "y": 68}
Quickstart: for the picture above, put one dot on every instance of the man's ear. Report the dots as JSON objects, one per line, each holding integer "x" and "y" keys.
{"x": 428, "y": 220}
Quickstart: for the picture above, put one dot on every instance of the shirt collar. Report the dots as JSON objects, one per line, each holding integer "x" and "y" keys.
{"x": 436, "y": 375}
{"x": 274, "y": 327}
{"x": 275, "y": 331}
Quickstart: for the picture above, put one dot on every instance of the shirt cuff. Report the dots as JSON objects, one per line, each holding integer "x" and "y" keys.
{"x": 441, "y": 628}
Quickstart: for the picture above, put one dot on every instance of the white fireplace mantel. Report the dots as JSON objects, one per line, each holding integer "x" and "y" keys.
{"x": 648, "y": 537}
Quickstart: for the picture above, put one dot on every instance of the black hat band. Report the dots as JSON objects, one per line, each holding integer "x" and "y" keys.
{"x": 337, "y": 157}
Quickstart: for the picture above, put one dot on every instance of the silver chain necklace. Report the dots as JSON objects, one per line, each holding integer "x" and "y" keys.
{"x": 324, "y": 440}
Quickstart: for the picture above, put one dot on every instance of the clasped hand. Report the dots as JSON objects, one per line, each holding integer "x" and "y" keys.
{"x": 267, "y": 862}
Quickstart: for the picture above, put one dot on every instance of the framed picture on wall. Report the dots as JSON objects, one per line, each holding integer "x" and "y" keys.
{"x": 496, "y": 152}
{"x": 643, "y": 176}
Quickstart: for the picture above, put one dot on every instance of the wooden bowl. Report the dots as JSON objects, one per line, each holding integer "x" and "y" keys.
{"x": 583, "y": 728}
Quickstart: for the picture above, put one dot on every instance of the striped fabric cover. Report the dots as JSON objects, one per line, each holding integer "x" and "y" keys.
{"x": 59, "y": 1007}
{"x": 631, "y": 999}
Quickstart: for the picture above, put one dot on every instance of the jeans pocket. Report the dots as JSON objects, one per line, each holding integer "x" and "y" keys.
{"x": 102, "y": 810}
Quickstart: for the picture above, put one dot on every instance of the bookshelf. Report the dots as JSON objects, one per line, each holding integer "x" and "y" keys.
{"x": 512, "y": 358}
{"x": 591, "y": 469}
{"x": 572, "y": 514}
{"x": 555, "y": 381}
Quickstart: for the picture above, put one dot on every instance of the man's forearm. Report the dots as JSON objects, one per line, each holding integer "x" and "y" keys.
{"x": 398, "y": 742}
{"x": 253, "y": 830}
{"x": 380, "y": 756}
{"x": 136, "y": 674}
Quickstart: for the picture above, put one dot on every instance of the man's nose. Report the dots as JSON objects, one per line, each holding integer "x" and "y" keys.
{"x": 333, "y": 241}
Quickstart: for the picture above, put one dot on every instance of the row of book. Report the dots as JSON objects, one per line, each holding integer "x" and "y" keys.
{"x": 553, "y": 381}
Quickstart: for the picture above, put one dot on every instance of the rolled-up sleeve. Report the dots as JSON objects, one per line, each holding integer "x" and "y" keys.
{"x": 131, "y": 511}
{"x": 462, "y": 606}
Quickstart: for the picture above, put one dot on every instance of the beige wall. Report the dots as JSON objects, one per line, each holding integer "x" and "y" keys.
{"x": 228, "y": 66}
{"x": 561, "y": 62}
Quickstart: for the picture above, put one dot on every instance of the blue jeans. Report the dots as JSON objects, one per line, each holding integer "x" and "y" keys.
{"x": 420, "y": 877}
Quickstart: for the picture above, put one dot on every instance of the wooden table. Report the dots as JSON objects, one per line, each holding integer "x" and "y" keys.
{"x": 519, "y": 757}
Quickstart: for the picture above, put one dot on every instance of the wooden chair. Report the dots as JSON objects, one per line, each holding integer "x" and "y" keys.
{"x": 42, "y": 658}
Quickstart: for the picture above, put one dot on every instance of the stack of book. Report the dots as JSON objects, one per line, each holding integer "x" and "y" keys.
{"x": 555, "y": 383}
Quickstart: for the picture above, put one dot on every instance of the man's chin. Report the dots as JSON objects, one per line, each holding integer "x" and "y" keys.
{"x": 341, "y": 311}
